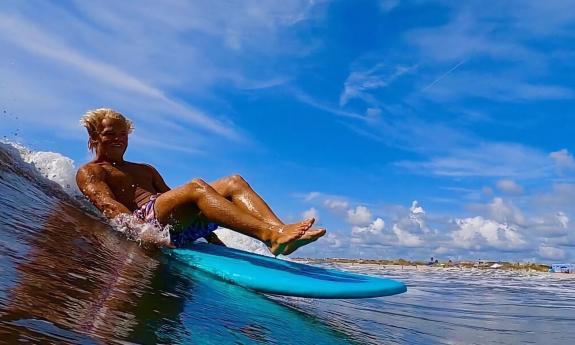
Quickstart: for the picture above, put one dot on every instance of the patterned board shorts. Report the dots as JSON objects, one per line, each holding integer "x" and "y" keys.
{"x": 179, "y": 238}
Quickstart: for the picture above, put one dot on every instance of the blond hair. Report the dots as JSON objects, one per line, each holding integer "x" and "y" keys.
{"x": 92, "y": 120}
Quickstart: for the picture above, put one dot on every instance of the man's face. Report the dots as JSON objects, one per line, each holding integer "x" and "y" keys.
{"x": 112, "y": 141}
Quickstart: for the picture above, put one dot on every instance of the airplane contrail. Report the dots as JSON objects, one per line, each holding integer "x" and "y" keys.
{"x": 444, "y": 75}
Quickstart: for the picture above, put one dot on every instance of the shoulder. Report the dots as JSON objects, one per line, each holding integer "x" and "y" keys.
{"x": 147, "y": 167}
{"x": 90, "y": 171}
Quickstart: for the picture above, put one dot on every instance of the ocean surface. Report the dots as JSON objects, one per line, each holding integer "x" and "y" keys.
{"x": 67, "y": 276}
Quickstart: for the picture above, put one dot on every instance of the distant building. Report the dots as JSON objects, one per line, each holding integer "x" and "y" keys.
{"x": 563, "y": 268}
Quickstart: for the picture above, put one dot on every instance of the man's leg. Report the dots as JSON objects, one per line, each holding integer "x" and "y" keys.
{"x": 180, "y": 206}
{"x": 239, "y": 192}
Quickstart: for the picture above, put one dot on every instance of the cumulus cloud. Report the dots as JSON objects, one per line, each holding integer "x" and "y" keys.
{"x": 417, "y": 216}
{"x": 405, "y": 238}
{"x": 563, "y": 159}
{"x": 548, "y": 252}
{"x": 359, "y": 216}
{"x": 333, "y": 240}
{"x": 501, "y": 210}
{"x": 442, "y": 250}
{"x": 561, "y": 196}
{"x": 374, "y": 228}
{"x": 504, "y": 211}
{"x": 337, "y": 205}
{"x": 478, "y": 233}
{"x": 509, "y": 186}
{"x": 562, "y": 219}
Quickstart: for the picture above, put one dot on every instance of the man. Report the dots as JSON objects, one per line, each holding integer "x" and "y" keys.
{"x": 194, "y": 209}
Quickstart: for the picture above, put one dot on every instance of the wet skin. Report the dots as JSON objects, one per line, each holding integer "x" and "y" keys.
{"x": 116, "y": 186}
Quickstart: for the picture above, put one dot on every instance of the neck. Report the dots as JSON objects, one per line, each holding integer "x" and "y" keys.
{"x": 117, "y": 161}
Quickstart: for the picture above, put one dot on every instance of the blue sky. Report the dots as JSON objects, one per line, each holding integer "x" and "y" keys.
{"x": 409, "y": 129}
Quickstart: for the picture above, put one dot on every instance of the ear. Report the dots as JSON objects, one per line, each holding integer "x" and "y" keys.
{"x": 92, "y": 140}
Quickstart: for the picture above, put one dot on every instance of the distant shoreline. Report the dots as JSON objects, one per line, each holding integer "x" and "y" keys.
{"x": 518, "y": 266}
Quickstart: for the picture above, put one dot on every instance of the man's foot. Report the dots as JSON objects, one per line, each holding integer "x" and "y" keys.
{"x": 284, "y": 234}
{"x": 307, "y": 238}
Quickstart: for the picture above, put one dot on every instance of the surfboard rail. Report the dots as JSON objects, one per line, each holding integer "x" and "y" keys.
{"x": 280, "y": 277}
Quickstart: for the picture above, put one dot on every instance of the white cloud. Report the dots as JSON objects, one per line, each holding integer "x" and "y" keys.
{"x": 361, "y": 216}
{"x": 562, "y": 219}
{"x": 549, "y": 227}
{"x": 498, "y": 88}
{"x": 417, "y": 216}
{"x": 311, "y": 196}
{"x": 333, "y": 240}
{"x": 405, "y": 238}
{"x": 442, "y": 250}
{"x": 504, "y": 211}
{"x": 39, "y": 42}
{"x": 415, "y": 221}
{"x": 477, "y": 233}
{"x": 548, "y": 252}
{"x": 374, "y": 228}
{"x": 311, "y": 213}
{"x": 563, "y": 160}
{"x": 509, "y": 186}
{"x": 95, "y": 56}
{"x": 560, "y": 197}
{"x": 486, "y": 159}
{"x": 336, "y": 205}
{"x": 365, "y": 79}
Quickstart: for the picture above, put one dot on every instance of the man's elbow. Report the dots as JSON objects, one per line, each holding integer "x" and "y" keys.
{"x": 111, "y": 211}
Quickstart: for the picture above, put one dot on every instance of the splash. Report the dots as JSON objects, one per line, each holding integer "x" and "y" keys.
{"x": 143, "y": 233}
{"x": 57, "y": 173}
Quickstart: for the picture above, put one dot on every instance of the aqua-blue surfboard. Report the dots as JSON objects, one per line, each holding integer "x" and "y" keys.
{"x": 274, "y": 276}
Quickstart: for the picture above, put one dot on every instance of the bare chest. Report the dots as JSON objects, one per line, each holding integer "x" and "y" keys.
{"x": 130, "y": 185}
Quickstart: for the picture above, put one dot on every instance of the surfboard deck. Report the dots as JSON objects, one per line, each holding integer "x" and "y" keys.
{"x": 279, "y": 277}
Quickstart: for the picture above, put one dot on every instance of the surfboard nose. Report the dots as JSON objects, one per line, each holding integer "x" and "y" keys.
{"x": 279, "y": 277}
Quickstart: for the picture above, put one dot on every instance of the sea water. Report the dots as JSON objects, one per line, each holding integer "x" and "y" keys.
{"x": 69, "y": 276}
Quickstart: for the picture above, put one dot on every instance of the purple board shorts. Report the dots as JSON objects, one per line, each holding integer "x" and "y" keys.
{"x": 180, "y": 238}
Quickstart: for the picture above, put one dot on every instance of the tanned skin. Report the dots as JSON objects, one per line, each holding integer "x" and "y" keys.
{"x": 116, "y": 186}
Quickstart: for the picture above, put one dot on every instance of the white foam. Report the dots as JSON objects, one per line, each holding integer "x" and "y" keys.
{"x": 143, "y": 233}
{"x": 239, "y": 241}
{"x": 62, "y": 170}
{"x": 51, "y": 165}
{"x": 57, "y": 168}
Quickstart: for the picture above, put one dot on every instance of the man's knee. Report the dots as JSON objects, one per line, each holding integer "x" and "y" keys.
{"x": 197, "y": 187}
{"x": 236, "y": 182}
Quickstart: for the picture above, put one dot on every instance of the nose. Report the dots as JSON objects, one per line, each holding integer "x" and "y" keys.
{"x": 120, "y": 138}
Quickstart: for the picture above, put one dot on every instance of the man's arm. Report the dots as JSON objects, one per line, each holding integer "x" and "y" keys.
{"x": 92, "y": 183}
{"x": 159, "y": 182}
